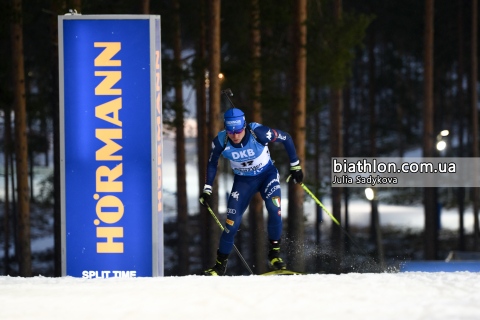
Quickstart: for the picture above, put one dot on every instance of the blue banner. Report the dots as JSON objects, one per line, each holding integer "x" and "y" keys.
{"x": 108, "y": 138}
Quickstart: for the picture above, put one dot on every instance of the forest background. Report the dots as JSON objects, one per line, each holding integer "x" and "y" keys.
{"x": 344, "y": 78}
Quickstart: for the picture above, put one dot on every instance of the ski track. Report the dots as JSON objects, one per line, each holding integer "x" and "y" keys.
{"x": 414, "y": 295}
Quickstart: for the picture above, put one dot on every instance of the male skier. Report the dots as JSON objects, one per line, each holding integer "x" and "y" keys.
{"x": 246, "y": 146}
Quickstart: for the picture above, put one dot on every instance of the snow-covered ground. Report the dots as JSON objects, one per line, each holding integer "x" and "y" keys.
{"x": 352, "y": 296}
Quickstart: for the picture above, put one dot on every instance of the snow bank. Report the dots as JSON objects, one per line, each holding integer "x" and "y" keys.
{"x": 349, "y": 296}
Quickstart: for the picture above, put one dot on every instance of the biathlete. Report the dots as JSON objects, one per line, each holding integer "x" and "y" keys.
{"x": 246, "y": 146}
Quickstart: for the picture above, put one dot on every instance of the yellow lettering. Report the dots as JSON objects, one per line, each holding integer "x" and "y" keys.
{"x": 159, "y": 178}
{"x": 111, "y": 49}
{"x": 158, "y": 81}
{"x": 109, "y": 208}
{"x": 110, "y": 202}
{"x": 106, "y": 135}
{"x": 159, "y": 130}
{"x": 158, "y": 103}
{"x": 159, "y": 197}
{"x": 110, "y": 185}
{"x": 109, "y": 246}
{"x": 105, "y": 87}
{"x": 157, "y": 54}
{"x": 103, "y": 110}
{"x": 159, "y": 155}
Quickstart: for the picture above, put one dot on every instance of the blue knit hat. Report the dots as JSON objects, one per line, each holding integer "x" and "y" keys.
{"x": 234, "y": 119}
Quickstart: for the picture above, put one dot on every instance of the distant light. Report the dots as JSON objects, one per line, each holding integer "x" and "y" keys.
{"x": 369, "y": 194}
{"x": 220, "y": 75}
{"x": 441, "y": 145}
{"x": 444, "y": 133}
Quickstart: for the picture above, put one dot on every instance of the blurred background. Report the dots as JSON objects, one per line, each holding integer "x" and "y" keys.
{"x": 351, "y": 78}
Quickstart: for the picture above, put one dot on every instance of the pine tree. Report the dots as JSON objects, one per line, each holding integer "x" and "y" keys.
{"x": 202, "y": 128}
{"x": 428, "y": 136}
{"x": 214, "y": 110}
{"x": 474, "y": 101}
{"x": 296, "y": 230}
{"x": 256, "y": 219}
{"x": 182, "y": 209}
{"x": 21, "y": 145}
{"x": 336, "y": 146}
{"x": 460, "y": 120}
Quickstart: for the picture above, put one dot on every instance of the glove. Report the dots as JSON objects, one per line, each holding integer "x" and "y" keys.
{"x": 205, "y": 199}
{"x": 206, "y": 196}
{"x": 296, "y": 174}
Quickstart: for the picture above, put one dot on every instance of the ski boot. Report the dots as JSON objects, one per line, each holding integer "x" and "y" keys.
{"x": 274, "y": 260}
{"x": 220, "y": 266}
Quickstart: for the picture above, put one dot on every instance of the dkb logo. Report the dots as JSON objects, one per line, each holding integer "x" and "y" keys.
{"x": 243, "y": 154}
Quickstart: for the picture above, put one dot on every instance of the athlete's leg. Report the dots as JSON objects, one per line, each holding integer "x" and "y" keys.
{"x": 242, "y": 191}
{"x": 271, "y": 194}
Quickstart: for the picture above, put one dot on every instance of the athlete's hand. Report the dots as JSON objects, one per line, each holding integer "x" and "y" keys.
{"x": 206, "y": 196}
{"x": 206, "y": 199}
{"x": 296, "y": 174}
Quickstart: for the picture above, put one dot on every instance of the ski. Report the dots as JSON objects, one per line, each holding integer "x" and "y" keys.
{"x": 282, "y": 272}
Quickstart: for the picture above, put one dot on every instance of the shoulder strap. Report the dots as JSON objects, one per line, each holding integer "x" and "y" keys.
{"x": 225, "y": 142}
{"x": 222, "y": 139}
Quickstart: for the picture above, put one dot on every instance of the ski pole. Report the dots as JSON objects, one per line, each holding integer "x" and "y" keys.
{"x": 234, "y": 246}
{"x": 227, "y": 93}
{"x": 331, "y": 216}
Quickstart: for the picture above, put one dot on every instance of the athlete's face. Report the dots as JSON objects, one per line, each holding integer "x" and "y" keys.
{"x": 235, "y": 136}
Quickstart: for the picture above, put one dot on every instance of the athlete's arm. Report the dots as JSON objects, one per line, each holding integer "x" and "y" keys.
{"x": 266, "y": 135}
{"x": 212, "y": 164}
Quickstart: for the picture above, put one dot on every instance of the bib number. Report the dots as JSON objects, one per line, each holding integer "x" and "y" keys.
{"x": 247, "y": 163}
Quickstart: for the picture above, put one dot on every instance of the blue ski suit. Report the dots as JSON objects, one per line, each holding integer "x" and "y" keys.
{"x": 254, "y": 172}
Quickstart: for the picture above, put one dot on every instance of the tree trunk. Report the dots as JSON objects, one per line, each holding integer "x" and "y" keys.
{"x": 336, "y": 143}
{"x": 145, "y": 9}
{"x": 375, "y": 232}
{"x": 256, "y": 221}
{"x": 202, "y": 136}
{"x": 298, "y": 109}
{"x": 6, "y": 220}
{"x": 214, "y": 109}
{"x": 346, "y": 146}
{"x": 318, "y": 179}
{"x": 45, "y": 133}
{"x": 336, "y": 151}
{"x": 400, "y": 114}
{"x": 182, "y": 210}
{"x": 255, "y": 47}
{"x": 373, "y": 124}
{"x": 31, "y": 157}
{"x": 371, "y": 94}
{"x": 378, "y": 234}
{"x": 474, "y": 66}
{"x": 461, "y": 114}
{"x": 257, "y": 234}
{"x": 56, "y": 143}
{"x": 14, "y": 208}
{"x": 21, "y": 146}
{"x": 431, "y": 242}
